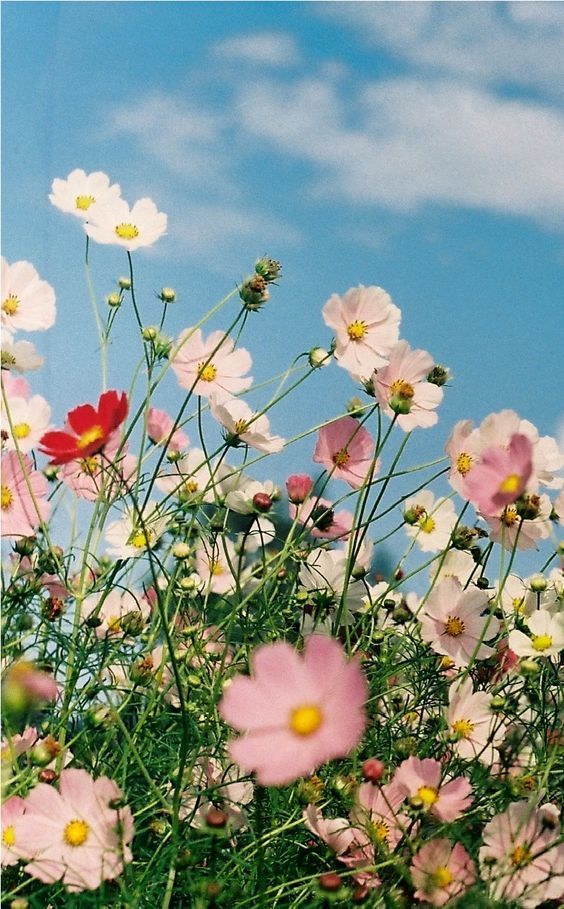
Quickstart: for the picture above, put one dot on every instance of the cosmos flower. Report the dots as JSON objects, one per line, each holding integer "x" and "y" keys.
{"x": 28, "y": 303}
{"x": 472, "y": 724}
{"x": 500, "y": 476}
{"x": 402, "y": 389}
{"x": 210, "y": 366}
{"x": 88, "y": 429}
{"x": 19, "y": 356}
{"x": 431, "y": 521}
{"x": 378, "y": 810}
{"x": 243, "y": 425}
{"x": 545, "y": 637}
{"x": 134, "y": 534}
{"x": 442, "y": 871}
{"x": 346, "y": 450}
{"x": 24, "y": 421}
{"x": 24, "y": 496}
{"x": 453, "y": 622}
{"x": 13, "y": 810}
{"x": 420, "y": 781}
{"x": 80, "y": 192}
{"x": 366, "y": 325}
{"x": 135, "y": 228}
{"x": 159, "y": 430}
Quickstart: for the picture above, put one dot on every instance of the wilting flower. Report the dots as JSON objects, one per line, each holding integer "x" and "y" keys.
{"x": 366, "y": 326}
{"x": 402, "y": 388}
{"x": 500, "y": 476}
{"x": 545, "y": 638}
{"x": 88, "y": 429}
{"x": 28, "y": 303}
{"x": 346, "y": 450}
{"x": 453, "y": 623}
{"x": 114, "y": 222}
{"x": 430, "y": 522}
{"x": 296, "y": 711}
{"x": 24, "y": 496}
{"x": 442, "y": 871}
{"x": 160, "y": 431}
{"x": 420, "y": 781}
{"x": 210, "y": 366}
{"x": 19, "y": 356}
{"x": 80, "y": 192}
{"x": 73, "y": 834}
{"x": 243, "y": 425}
{"x": 24, "y": 421}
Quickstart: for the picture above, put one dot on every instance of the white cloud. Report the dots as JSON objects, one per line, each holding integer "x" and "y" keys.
{"x": 501, "y": 43}
{"x": 260, "y": 48}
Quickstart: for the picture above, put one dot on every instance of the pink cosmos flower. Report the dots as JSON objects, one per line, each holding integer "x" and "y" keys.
{"x": 378, "y": 811}
{"x": 472, "y": 723}
{"x": 216, "y": 562}
{"x": 159, "y": 430}
{"x": 514, "y": 531}
{"x": 463, "y": 448}
{"x": 220, "y": 787}
{"x": 28, "y": 303}
{"x": 322, "y": 520}
{"x": 296, "y": 711}
{"x": 24, "y": 421}
{"x": 242, "y": 424}
{"x": 18, "y": 744}
{"x": 351, "y": 845}
{"x": 13, "y": 810}
{"x": 500, "y": 476}
{"x": 520, "y": 859}
{"x": 209, "y": 366}
{"x": 24, "y": 683}
{"x": 366, "y": 326}
{"x": 73, "y": 834}
{"x": 453, "y": 622}
{"x": 442, "y": 871}
{"x": 346, "y": 450}
{"x": 402, "y": 389}
{"x": 104, "y": 475}
{"x": 299, "y": 486}
{"x": 420, "y": 781}
{"x": 24, "y": 496}
{"x": 119, "y": 611}
{"x": 15, "y": 386}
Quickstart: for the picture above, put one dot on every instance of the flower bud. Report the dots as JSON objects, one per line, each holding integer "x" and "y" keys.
{"x": 216, "y": 818}
{"x": 133, "y": 622}
{"x": 269, "y": 269}
{"x": 167, "y": 295}
{"x": 373, "y": 770}
{"x": 310, "y": 790}
{"x": 538, "y": 583}
{"x": 47, "y": 776}
{"x": 482, "y": 583}
{"x": 360, "y": 894}
{"x": 114, "y": 300}
{"x": 299, "y": 486}
{"x": 181, "y": 550}
{"x": 330, "y": 882}
{"x": 262, "y": 502}
{"x": 355, "y": 407}
{"x": 401, "y": 615}
{"x": 19, "y": 903}
{"x": 124, "y": 283}
{"x": 254, "y": 293}
{"x": 318, "y": 356}
{"x": 414, "y": 514}
{"x": 150, "y": 333}
{"x": 25, "y": 546}
{"x": 158, "y": 826}
{"x": 439, "y": 376}
{"x": 406, "y": 746}
{"x": 529, "y": 667}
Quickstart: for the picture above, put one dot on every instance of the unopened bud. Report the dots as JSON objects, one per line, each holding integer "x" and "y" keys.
{"x": 181, "y": 550}
{"x": 167, "y": 295}
{"x": 114, "y": 300}
{"x": 529, "y": 667}
{"x": 355, "y": 407}
{"x": 269, "y": 269}
{"x": 401, "y": 615}
{"x": 158, "y": 826}
{"x": 439, "y": 376}
{"x": 25, "y": 546}
{"x": 216, "y": 818}
{"x": 318, "y": 356}
{"x": 373, "y": 770}
{"x": 47, "y": 776}
{"x": 538, "y": 583}
{"x": 124, "y": 283}
{"x": 406, "y": 746}
{"x": 299, "y": 486}
{"x": 331, "y": 882}
{"x": 254, "y": 293}
{"x": 19, "y": 903}
{"x": 482, "y": 583}
{"x": 414, "y": 514}
{"x": 262, "y": 502}
{"x": 150, "y": 333}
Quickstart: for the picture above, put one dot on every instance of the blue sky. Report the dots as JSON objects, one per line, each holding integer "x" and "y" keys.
{"x": 417, "y": 146}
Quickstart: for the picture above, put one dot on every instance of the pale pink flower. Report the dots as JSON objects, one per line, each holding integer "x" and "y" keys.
{"x": 24, "y": 496}
{"x": 545, "y": 638}
{"x": 24, "y": 421}
{"x": 24, "y": 686}
{"x": 402, "y": 390}
{"x": 433, "y": 521}
{"x": 500, "y": 476}
{"x": 299, "y": 486}
{"x": 103, "y": 475}
{"x": 19, "y": 356}
{"x": 453, "y": 622}
{"x": 420, "y": 781}
{"x": 296, "y": 711}
{"x": 456, "y": 563}
{"x": 513, "y": 531}
{"x": 80, "y": 192}
{"x": 13, "y": 810}
{"x": 189, "y": 479}
{"x": 521, "y": 859}
{"x": 326, "y": 571}
{"x": 252, "y": 496}
{"x": 366, "y": 325}
{"x": 346, "y": 450}
{"x": 442, "y": 871}
{"x": 132, "y": 535}
{"x": 351, "y": 845}
{"x": 114, "y": 222}
{"x": 217, "y": 564}
{"x": 160, "y": 431}
{"x": 472, "y": 724}
{"x": 117, "y": 612}
{"x": 15, "y": 387}
{"x": 213, "y": 785}
{"x": 73, "y": 834}
{"x": 28, "y": 303}
{"x": 322, "y": 521}
{"x": 210, "y": 366}
{"x": 243, "y": 424}
{"x": 463, "y": 448}
{"x": 378, "y": 811}
{"x": 19, "y": 744}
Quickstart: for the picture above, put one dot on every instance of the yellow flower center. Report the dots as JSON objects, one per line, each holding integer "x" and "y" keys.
{"x": 83, "y": 203}
{"x": 127, "y": 231}
{"x": 521, "y": 856}
{"x": 9, "y": 835}
{"x": 240, "y": 427}
{"x": 76, "y": 832}
{"x": 401, "y": 389}
{"x": 442, "y": 877}
{"x": 454, "y": 626}
{"x": 191, "y": 486}
{"x": 518, "y": 604}
{"x": 141, "y": 539}
{"x": 356, "y": 330}
{"x": 89, "y": 436}
{"x": 22, "y": 430}
{"x": 114, "y": 623}
{"x": 541, "y": 642}
{"x": 427, "y": 524}
{"x": 509, "y": 516}
{"x": 463, "y": 728}
{"x": 8, "y": 360}
{"x": 380, "y": 831}
{"x": 216, "y": 567}
{"x": 428, "y": 795}
{"x": 511, "y": 484}
{"x": 7, "y": 497}
{"x": 11, "y": 305}
{"x": 206, "y": 372}
{"x": 306, "y": 719}
{"x": 89, "y": 465}
{"x": 341, "y": 458}
{"x": 463, "y": 463}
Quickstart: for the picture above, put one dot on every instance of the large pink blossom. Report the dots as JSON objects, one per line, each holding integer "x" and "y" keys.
{"x": 420, "y": 781}
{"x": 455, "y": 622}
{"x": 442, "y": 871}
{"x": 296, "y": 710}
{"x": 346, "y": 450}
{"x": 24, "y": 496}
{"x": 500, "y": 476}
{"x": 402, "y": 388}
{"x": 210, "y": 366}
{"x": 366, "y": 326}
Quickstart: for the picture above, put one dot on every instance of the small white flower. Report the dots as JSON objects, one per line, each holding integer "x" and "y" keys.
{"x": 188, "y": 479}
{"x": 457, "y": 563}
{"x": 241, "y": 499}
{"x": 238, "y": 419}
{"x": 80, "y": 192}
{"x": 19, "y": 356}
{"x": 28, "y": 420}
{"x": 132, "y": 228}
{"x": 28, "y": 303}
{"x": 546, "y": 636}
{"x": 433, "y": 527}
{"x": 131, "y": 535}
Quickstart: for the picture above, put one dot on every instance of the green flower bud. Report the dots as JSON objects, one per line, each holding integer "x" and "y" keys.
{"x": 114, "y": 300}
{"x": 167, "y": 295}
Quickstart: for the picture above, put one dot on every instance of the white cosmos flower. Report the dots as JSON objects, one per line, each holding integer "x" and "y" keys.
{"x": 132, "y": 228}
{"x": 81, "y": 191}
{"x": 215, "y": 563}
{"x": 238, "y": 419}
{"x": 28, "y": 420}
{"x": 19, "y": 356}
{"x": 546, "y": 636}
{"x": 432, "y": 529}
{"x": 188, "y": 479}
{"x": 241, "y": 499}
{"x": 28, "y": 303}
{"x": 457, "y": 563}
{"x": 131, "y": 536}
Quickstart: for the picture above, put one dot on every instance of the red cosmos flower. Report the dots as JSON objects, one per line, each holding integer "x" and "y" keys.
{"x": 87, "y": 429}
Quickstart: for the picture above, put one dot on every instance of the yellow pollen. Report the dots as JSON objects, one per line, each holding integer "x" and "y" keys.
{"x": 215, "y": 567}
{"x": 380, "y": 831}
{"x": 454, "y": 626}
{"x": 427, "y": 524}
{"x": 341, "y": 458}
{"x": 127, "y": 231}
{"x": 441, "y": 877}
{"x": 240, "y": 427}
{"x": 11, "y": 305}
{"x": 7, "y": 497}
{"x": 191, "y": 486}
{"x": 22, "y": 430}
{"x": 509, "y": 516}
{"x": 89, "y": 465}
{"x": 520, "y": 856}
{"x": 541, "y": 642}
{"x": 141, "y": 539}
{"x": 305, "y": 720}
{"x": 114, "y": 623}
{"x": 356, "y": 330}
{"x": 76, "y": 832}
{"x": 9, "y": 836}
{"x": 463, "y": 728}
{"x": 463, "y": 463}
{"x": 511, "y": 484}
{"x": 401, "y": 389}
{"x": 428, "y": 795}
{"x": 83, "y": 203}
{"x": 89, "y": 436}
{"x": 518, "y": 604}
{"x": 206, "y": 372}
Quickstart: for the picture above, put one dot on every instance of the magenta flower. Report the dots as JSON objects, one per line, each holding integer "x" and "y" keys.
{"x": 401, "y": 388}
{"x": 366, "y": 326}
{"x": 208, "y": 366}
{"x": 442, "y": 871}
{"x": 420, "y": 781}
{"x": 500, "y": 476}
{"x": 296, "y": 710}
{"x": 74, "y": 834}
{"x": 346, "y": 450}
{"x": 24, "y": 496}
{"x": 453, "y": 622}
